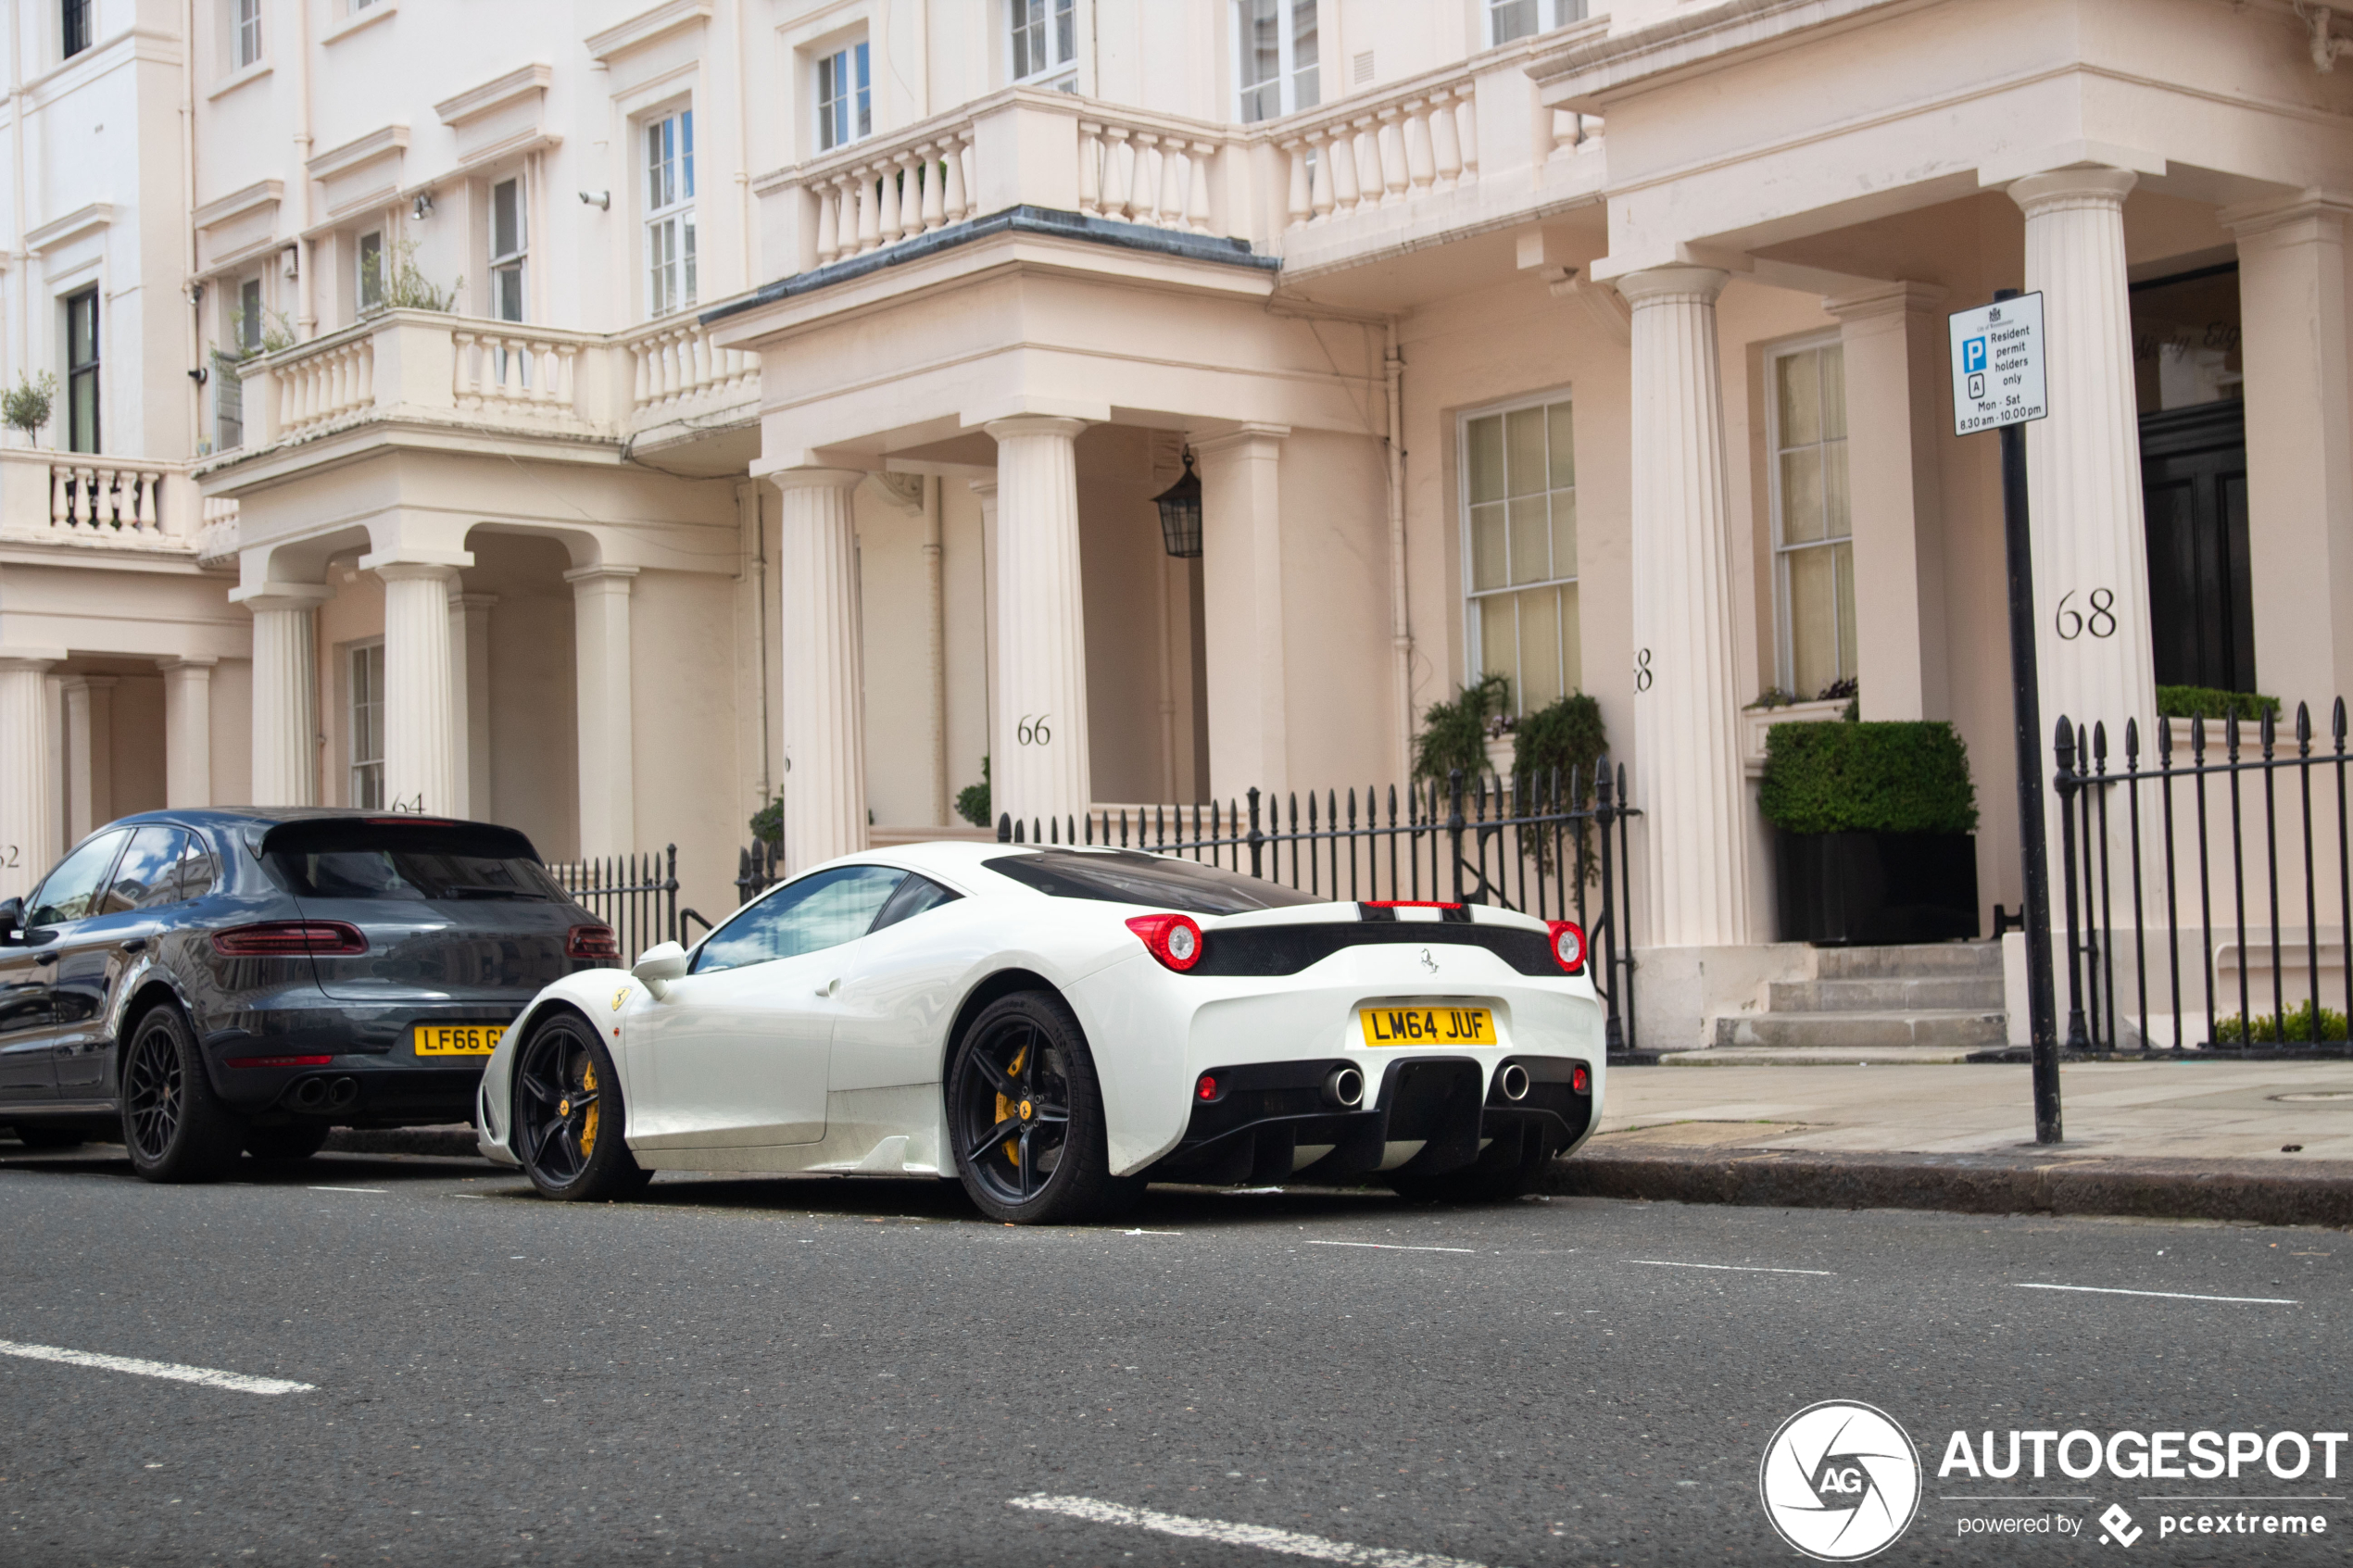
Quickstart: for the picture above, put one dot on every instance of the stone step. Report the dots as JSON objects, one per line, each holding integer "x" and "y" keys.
{"x": 1913, "y": 963}
{"x": 1939, "y": 992}
{"x": 1957, "y": 1027}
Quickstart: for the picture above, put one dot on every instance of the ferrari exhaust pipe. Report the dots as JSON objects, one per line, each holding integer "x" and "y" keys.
{"x": 1345, "y": 1087}
{"x": 309, "y": 1095}
{"x": 1513, "y": 1081}
{"x": 344, "y": 1091}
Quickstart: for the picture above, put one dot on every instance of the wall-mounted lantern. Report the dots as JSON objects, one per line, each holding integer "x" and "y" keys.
{"x": 1180, "y": 513}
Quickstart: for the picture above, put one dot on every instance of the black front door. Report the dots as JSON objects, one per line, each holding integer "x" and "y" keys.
{"x": 2193, "y": 498}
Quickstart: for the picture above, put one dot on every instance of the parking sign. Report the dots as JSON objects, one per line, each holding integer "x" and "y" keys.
{"x": 1997, "y": 365}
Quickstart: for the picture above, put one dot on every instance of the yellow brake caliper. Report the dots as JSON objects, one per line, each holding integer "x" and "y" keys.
{"x": 588, "y": 1122}
{"x": 1005, "y": 1107}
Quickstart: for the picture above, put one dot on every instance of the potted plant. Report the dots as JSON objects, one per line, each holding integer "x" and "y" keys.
{"x": 1875, "y": 832}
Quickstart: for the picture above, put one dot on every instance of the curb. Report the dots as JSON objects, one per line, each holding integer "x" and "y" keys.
{"x": 450, "y": 1143}
{"x": 2243, "y": 1191}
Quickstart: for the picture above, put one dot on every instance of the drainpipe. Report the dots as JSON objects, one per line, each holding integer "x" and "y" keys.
{"x": 1400, "y": 626}
{"x": 22, "y": 253}
{"x": 935, "y": 588}
{"x": 188, "y": 217}
{"x": 305, "y": 297}
{"x": 751, "y": 498}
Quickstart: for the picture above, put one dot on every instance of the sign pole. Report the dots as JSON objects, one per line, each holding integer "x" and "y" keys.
{"x": 1998, "y": 381}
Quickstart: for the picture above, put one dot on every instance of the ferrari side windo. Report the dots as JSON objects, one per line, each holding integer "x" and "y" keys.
{"x": 1056, "y": 1027}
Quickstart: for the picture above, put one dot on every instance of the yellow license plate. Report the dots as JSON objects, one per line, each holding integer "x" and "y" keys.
{"x": 1426, "y": 1026}
{"x": 457, "y": 1039}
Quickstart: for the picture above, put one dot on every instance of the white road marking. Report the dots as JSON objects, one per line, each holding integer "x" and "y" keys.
{"x": 2169, "y": 1294}
{"x": 209, "y": 1377}
{"x": 378, "y": 1191}
{"x": 1287, "y": 1541}
{"x": 1392, "y": 1247}
{"x": 1727, "y": 1268}
{"x": 1151, "y": 1232}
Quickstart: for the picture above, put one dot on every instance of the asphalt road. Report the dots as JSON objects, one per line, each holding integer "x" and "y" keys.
{"x": 782, "y": 1370}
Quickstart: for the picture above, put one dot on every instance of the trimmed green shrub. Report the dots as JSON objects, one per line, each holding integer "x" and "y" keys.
{"x": 768, "y": 822}
{"x": 971, "y": 801}
{"x": 1877, "y": 777}
{"x": 1568, "y": 735}
{"x": 2233, "y": 1031}
{"x": 1454, "y": 733}
{"x": 2211, "y": 702}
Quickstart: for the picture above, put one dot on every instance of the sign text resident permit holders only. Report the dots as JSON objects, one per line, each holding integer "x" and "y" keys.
{"x": 1997, "y": 365}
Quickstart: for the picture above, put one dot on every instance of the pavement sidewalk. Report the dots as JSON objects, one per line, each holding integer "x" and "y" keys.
{"x": 2266, "y": 1142}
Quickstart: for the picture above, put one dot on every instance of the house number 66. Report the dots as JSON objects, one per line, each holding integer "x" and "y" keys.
{"x": 1033, "y": 731}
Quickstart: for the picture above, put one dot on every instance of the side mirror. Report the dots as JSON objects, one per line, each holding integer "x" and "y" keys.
{"x": 659, "y": 965}
{"x": 11, "y": 916}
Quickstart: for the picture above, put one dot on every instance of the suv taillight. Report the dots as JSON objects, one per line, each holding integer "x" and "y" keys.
{"x": 1174, "y": 940}
{"x": 290, "y": 938}
{"x": 595, "y": 942}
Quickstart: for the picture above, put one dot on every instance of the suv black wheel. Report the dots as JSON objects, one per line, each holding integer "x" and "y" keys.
{"x": 174, "y": 1128}
{"x": 1026, "y": 1114}
{"x": 569, "y": 1117}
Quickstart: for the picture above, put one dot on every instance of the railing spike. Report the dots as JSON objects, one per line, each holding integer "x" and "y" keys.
{"x": 2336, "y": 723}
{"x": 2099, "y": 744}
{"x": 2303, "y": 727}
{"x": 2063, "y": 743}
{"x": 2132, "y": 742}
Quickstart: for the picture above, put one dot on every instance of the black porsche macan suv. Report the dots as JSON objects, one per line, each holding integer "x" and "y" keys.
{"x": 202, "y": 982}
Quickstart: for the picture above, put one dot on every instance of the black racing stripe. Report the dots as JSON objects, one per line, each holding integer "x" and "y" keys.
{"x": 1288, "y": 949}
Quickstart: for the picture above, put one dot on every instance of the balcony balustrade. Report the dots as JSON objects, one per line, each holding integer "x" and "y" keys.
{"x": 88, "y": 499}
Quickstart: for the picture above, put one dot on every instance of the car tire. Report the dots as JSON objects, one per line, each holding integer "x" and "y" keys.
{"x": 285, "y": 1145}
{"x": 50, "y": 1137}
{"x": 569, "y": 1118}
{"x": 174, "y": 1128}
{"x": 1025, "y": 1113}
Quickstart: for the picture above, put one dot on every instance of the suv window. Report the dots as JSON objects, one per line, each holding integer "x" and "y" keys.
{"x": 380, "y": 859}
{"x": 1123, "y": 876}
{"x": 821, "y": 910}
{"x": 149, "y": 874}
{"x": 71, "y": 891}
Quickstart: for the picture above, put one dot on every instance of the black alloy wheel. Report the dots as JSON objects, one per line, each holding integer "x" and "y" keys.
{"x": 295, "y": 1140}
{"x": 569, "y": 1118}
{"x": 1026, "y": 1115}
{"x": 173, "y": 1125}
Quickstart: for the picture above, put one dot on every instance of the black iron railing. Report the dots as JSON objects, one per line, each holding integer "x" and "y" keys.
{"x": 635, "y": 893}
{"x": 1552, "y": 845}
{"x": 2190, "y": 884}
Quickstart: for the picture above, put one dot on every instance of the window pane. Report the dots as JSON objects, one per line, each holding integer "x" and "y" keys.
{"x": 1843, "y": 557}
{"x": 1499, "y": 637}
{"x": 1540, "y": 649}
{"x": 1511, "y": 18}
{"x": 686, "y": 152}
{"x": 1572, "y": 659}
{"x": 1564, "y": 533}
{"x": 657, "y": 166}
{"x": 1800, "y": 398}
{"x": 1813, "y": 615}
{"x": 371, "y": 272}
{"x": 819, "y": 911}
{"x": 1262, "y": 45}
{"x": 1026, "y": 29}
{"x": 197, "y": 870}
{"x": 505, "y": 293}
{"x": 71, "y": 891}
{"x": 1524, "y": 450}
{"x": 1484, "y": 442}
{"x": 687, "y": 250}
{"x": 1066, "y": 32}
{"x": 1837, "y": 512}
{"x": 1560, "y": 441}
{"x": 1833, "y": 393}
{"x": 1303, "y": 55}
{"x": 1801, "y": 495}
{"x": 863, "y": 119}
{"x": 1487, "y": 545}
{"x": 148, "y": 873}
{"x": 1531, "y": 528}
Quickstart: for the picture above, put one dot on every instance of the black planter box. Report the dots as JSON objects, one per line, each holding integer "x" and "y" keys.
{"x": 1877, "y": 888}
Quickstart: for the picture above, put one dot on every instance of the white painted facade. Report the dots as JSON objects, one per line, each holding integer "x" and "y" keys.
{"x": 577, "y": 554}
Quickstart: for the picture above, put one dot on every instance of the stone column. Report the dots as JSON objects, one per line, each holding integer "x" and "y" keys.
{"x": 1040, "y": 625}
{"x": 2295, "y": 323}
{"x": 1893, "y": 339}
{"x": 470, "y": 698}
{"x": 285, "y": 691}
{"x": 187, "y": 730}
{"x": 2084, "y": 464}
{"x": 421, "y": 741}
{"x": 28, "y": 771}
{"x": 1242, "y": 622}
{"x": 825, "y": 697}
{"x": 89, "y": 701}
{"x": 1687, "y": 777}
{"x": 608, "y": 751}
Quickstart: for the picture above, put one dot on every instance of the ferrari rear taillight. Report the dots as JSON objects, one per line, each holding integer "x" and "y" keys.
{"x": 1569, "y": 945}
{"x": 1209, "y": 1088}
{"x": 1174, "y": 940}
{"x": 1580, "y": 1080}
{"x": 291, "y": 938}
{"x": 593, "y": 942}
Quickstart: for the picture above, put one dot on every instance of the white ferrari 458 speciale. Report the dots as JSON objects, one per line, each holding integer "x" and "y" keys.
{"x": 1055, "y": 1027}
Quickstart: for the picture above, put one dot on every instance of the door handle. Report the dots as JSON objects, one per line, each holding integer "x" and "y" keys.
{"x": 136, "y": 945}
{"x": 44, "y": 958}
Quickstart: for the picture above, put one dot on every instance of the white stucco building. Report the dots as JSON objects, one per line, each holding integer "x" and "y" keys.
{"x": 603, "y": 418}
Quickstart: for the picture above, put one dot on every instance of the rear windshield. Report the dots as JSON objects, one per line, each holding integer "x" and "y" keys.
{"x": 1122, "y": 876}
{"x": 369, "y": 858}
